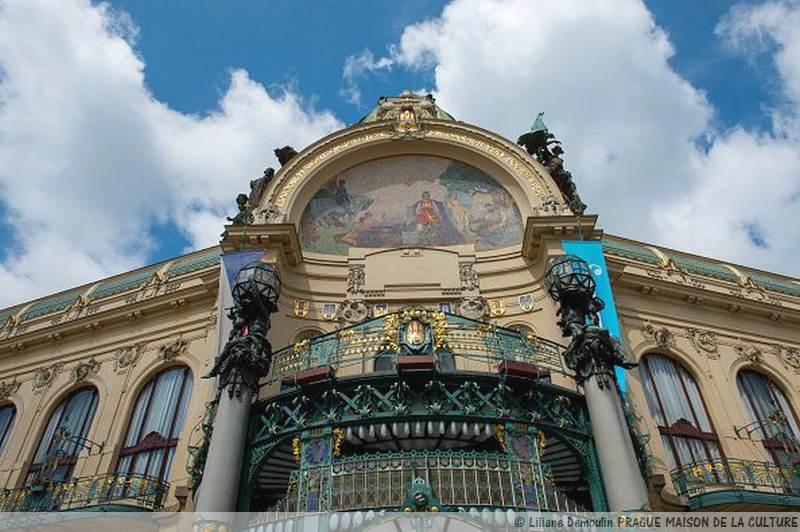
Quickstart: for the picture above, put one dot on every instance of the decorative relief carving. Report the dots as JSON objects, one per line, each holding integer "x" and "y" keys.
{"x": 127, "y": 357}
{"x": 173, "y": 350}
{"x": 468, "y": 276}
{"x": 750, "y": 353}
{"x": 660, "y": 335}
{"x": 474, "y": 308}
{"x": 705, "y": 341}
{"x": 353, "y": 311}
{"x": 84, "y": 370}
{"x": 790, "y": 356}
{"x": 656, "y": 274}
{"x": 43, "y": 377}
{"x": 355, "y": 278}
{"x": 7, "y": 389}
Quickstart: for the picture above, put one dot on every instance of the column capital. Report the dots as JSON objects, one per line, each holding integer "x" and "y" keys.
{"x": 541, "y": 229}
{"x": 281, "y": 238}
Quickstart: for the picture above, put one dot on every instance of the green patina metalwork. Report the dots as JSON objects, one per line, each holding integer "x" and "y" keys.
{"x": 702, "y": 267}
{"x": 129, "y": 282}
{"x": 53, "y": 304}
{"x": 446, "y": 397}
{"x": 776, "y": 285}
{"x": 727, "y": 480}
{"x": 198, "y": 453}
{"x": 629, "y": 250}
{"x": 460, "y": 342}
{"x": 194, "y": 263}
{"x": 99, "y": 492}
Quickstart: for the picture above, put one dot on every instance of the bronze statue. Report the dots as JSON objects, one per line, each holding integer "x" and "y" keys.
{"x": 259, "y": 186}
{"x": 245, "y": 214}
{"x": 285, "y": 154}
{"x": 546, "y": 149}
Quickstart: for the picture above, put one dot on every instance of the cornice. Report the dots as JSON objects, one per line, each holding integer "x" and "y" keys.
{"x": 665, "y": 279}
{"x": 87, "y": 316}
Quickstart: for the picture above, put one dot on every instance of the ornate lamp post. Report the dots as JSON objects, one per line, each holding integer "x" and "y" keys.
{"x": 592, "y": 354}
{"x": 244, "y": 359}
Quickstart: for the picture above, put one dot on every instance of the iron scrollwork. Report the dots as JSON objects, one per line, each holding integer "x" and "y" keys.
{"x": 592, "y": 350}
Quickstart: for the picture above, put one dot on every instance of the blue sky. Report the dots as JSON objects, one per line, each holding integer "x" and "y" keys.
{"x": 135, "y": 123}
{"x": 190, "y": 46}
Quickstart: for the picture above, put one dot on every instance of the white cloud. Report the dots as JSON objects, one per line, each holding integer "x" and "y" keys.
{"x": 89, "y": 159}
{"x": 355, "y": 67}
{"x": 630, "y": 124}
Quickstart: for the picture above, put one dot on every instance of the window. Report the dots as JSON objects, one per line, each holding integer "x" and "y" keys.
{"x": 65, "y": 436}
{"x": 308, "y": 334}
{"x": 156, "y": 424}
{"x": 675, "y": 403}
{"x": 7, "y": 414}
{"x": 775, "y": 420}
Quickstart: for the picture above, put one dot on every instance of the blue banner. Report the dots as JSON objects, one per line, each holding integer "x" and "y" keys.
{"x": 233, "y": 262}
{"x": 592, "y": 253}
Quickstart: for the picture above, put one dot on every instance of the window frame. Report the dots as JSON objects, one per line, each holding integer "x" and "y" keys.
{"x": 69, "y": 460}
{"x": 682, "y": 428}
{"x": 6, "y": 435}
{"x": 771, "y": 444}
{"x": 148, "y": 443}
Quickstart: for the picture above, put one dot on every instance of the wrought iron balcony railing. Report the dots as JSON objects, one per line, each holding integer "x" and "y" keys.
{"x": 459, "y": 343}
{"x": 734, "y": 474}
{"x": 458, "y": 479}
{"x": 137, "y": 491}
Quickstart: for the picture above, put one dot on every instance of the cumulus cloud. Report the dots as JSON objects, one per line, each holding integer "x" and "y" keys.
{"x": 90, "y": 159}
{"x": 631, "y": 126}
{"x": 356, "y": 67}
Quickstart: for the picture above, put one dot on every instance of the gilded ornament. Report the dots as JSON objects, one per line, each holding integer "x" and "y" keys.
{"x": 301, "y": 308}
{"x": 497, "y": 307}
{"x": 296, "y": 449}
{"x": 500, "y": 434}
{"x": 526, "y": 302}
{"x": 338, "y": 438}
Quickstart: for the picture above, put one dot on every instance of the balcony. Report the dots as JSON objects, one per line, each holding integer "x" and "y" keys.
{"x": 112, "y": 491}
{"x": 458, "y": 479}
{"x": 733, "y": 484}
{"x": 391, "y": 343}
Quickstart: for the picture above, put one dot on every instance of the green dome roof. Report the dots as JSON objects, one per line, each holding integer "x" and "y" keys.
{"x": 389, "y": 108}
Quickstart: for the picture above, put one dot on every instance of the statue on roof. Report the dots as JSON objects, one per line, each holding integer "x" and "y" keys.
{"x": 259, "y": 186}
{"x": 285, "y": 154}
{"x": 546, "y": 149}
{"x": 245, "y": 214}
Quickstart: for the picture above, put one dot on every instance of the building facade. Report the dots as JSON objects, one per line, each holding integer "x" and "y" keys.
{"x": 418, "y": 359}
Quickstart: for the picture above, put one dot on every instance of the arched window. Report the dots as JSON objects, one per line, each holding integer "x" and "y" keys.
{"x": 677, "y": 406}
{"x": 775, "y": 420}
{"x": 156, "y": 424}
{"x": 65, "y": 436}
{"x": 7, "y": 414}
{"x": 307, "y": 334}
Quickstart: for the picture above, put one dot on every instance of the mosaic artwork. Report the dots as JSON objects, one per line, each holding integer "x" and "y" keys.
{"x": 410, "y": 201}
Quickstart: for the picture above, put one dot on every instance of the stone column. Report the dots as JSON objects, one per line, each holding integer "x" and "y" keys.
{"x": 592, "y": 355}
{"x": 622, "y": 479}
{"x": 219, "y": 489}
{"x": 244, "y": 359}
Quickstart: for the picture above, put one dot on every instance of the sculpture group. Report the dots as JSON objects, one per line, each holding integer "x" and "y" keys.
{"x": 543, "y": 145}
